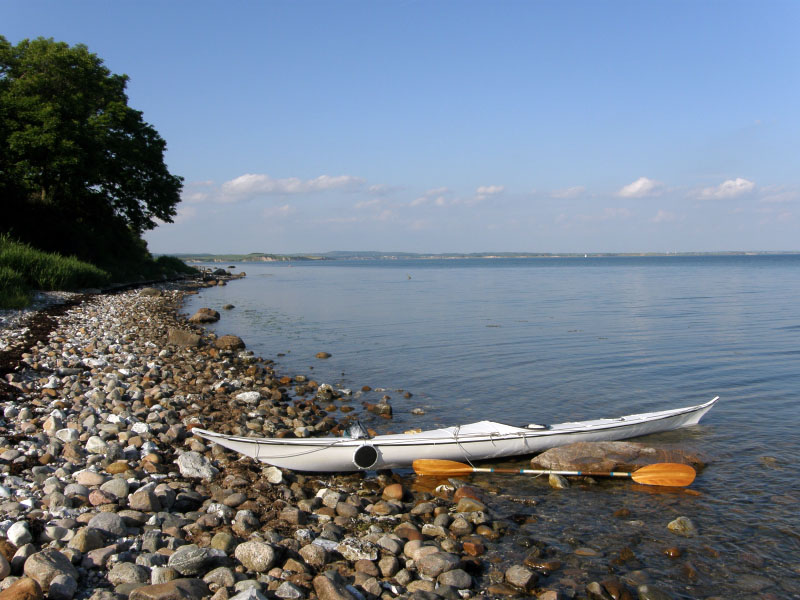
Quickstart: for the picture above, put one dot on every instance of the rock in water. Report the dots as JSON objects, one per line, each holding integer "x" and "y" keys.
{"x": 682, "y": 526}
{"x": 609, "y": 456}
{"x": 204, "y": 315}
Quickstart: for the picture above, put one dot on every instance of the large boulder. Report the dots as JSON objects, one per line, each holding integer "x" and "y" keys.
{"x": 611, "y": 456}
{"x": 177, "y": 589}
{"x": 44, "y": 566}
{"x": 229, "y": 342}
{"x": 204, "y": 315}
{"x": 182, "y": 337}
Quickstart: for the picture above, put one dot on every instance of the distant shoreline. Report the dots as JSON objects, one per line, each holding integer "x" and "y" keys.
{"x": 343, "y": 255}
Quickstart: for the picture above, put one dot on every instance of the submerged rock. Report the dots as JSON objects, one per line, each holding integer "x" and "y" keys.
{"x": 610, "y": 456}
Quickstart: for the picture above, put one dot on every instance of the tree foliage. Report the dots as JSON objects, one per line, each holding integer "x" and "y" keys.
{"x": 80, "y": 171}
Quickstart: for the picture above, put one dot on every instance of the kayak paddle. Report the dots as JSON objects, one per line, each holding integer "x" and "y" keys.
{"x": 667, "y": 474}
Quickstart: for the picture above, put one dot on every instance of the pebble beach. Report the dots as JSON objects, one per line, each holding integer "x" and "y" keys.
{"x": 106, "y": 494}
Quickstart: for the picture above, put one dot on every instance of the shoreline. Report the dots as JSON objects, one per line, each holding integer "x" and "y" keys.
{"x": 102, "y": 477}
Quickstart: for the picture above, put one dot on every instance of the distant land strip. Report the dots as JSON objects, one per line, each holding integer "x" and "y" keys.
{"x": 374, "y": 255}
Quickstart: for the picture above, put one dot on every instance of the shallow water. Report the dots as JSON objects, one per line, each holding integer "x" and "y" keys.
{"x": 549, "y": 340}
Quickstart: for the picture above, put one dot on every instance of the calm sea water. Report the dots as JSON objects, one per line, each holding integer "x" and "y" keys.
{"x": 549, "y": 340}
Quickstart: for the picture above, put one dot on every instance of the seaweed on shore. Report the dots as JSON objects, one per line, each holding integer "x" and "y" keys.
{"x": 39, "y": 326}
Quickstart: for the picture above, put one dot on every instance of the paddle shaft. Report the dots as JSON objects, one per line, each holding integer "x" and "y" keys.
{"x": 666, "y": 474}
{"x": 548, "y": 472}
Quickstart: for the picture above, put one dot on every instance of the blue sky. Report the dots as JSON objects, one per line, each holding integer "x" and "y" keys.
{"x": 459, "y": 126}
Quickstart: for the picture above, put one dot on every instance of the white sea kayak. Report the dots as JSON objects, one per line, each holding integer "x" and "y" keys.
{"x": 475, "y": 441}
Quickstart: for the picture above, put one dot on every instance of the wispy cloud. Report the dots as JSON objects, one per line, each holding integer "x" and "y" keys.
{"x": 641, "y": 188}
{"x": 440, "y": 196}
{"x": 727, "y": 189}
{"x": 486, "y": 191}
{"x": 571, "y": 192}
{"x": 276, "y": 212}
{"x": 250, "y": 184}
{"x": 663, "y": 216}
{"x": 490, "y": 190}
{"x": 776, "y": 194}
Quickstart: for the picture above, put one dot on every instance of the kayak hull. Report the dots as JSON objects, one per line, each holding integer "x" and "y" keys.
{"x": 476, "y": 441}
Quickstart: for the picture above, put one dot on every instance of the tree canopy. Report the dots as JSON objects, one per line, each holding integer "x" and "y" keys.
{"x": 78, "y": 167}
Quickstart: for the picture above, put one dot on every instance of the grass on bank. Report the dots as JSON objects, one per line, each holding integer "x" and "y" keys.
{"x": 24, "y": 269}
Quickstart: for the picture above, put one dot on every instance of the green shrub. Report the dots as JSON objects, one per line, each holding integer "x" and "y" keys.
{"x": 14, "y": 292}
{"x": 49, "y": 271}
{"x": 171, "y": 264}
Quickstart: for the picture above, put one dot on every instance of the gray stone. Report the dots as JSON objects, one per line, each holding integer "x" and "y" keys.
{"x": 314, "y": 555}
{"x": 289, "y": 591}
{"x": 195, "y": 465}
{"x": 182, "y": 337}
{"x": 256, "y": 556}
{"x": 327, "y": 589}
{"x": 391, "y": 545}
{"x": 354, "y": 549}
{"x": 145, "y": 501}
{"x": 19, "y": 534}
{"x": 62, "y": 587}
{"x": 521, "y": 577}
{"x": 109, "y": 523}
{"x": 96, "y": 445}
{"x": 86, "y": 539}
{"x": 682, "y": 526}
{"x": 191, "y": 559}
{"x": 204, "y": 315}
{"x": 116, "y": 486}
{"x": 250, "y": 593}
{"x": 126, "y": 572}
{"x": 221, "y": 576}
{"x": 457, "y": 578}
{"x": 249, "y": 397}
{"x": 273, "y": 475}
{"x": 44, "y": 566}
{"x": 163, "y": 575}
{"x": 437, "y": 563}
{"x": 20, "y": 556}
{"x": 609, "y": 456}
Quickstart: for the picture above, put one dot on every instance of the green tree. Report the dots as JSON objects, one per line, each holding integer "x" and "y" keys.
{"x": 81, "y": 172}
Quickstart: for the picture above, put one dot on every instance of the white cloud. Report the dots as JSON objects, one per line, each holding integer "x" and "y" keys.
{"x": 489, "y": 190}
{"x": 663, "y": 216}
{"x": 486, "y": 191}
{"x": 640, "y": 188}
{"x": 369, "y": 203}
{"x": 572, "y": 192}
{"x": 440, "y": 196}
{"x": 184, "y": 213}
{"x": 251, "y": 184}
{"x": 276, "y": 212}
{"x": 775, "y": 194}
{"x": 728, "y": 189}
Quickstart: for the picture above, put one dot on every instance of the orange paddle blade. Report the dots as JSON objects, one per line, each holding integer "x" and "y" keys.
{"x": 441, "y": 468}
{"x": 668, "y": 474}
